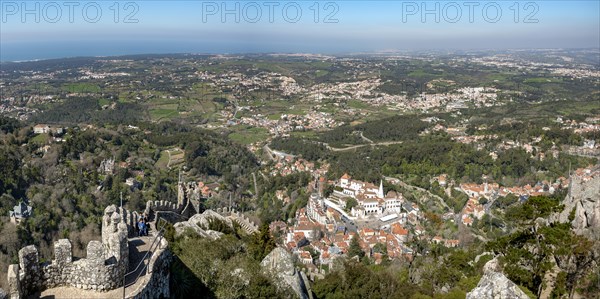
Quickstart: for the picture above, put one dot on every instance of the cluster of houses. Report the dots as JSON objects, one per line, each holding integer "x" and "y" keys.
{"x": 591, "y": 124}
{"x": 312, "y": 120}
{"x": 589, "y": 147}
{"x": 322, "y": 228}
{"x": 287, "y": 164}
{"x": 207, "y": 190}
{"x": 319, "y": 235}
{"x": 490, "y": 191}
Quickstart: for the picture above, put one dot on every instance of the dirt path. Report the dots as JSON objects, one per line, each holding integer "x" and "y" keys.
{"x": 365, "y": 138}
{"x": 550, "y": 279}
{"x": 169, "y": 162}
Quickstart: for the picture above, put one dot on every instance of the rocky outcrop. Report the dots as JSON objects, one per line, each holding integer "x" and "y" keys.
{"x": 204, "y": 219}
{"x": 494, "y": 285}
{"x": 3, "y": 294}
{"x": 181, "y": 227}
{"x": 280, "y": 266}
{"x": 199, "y": 223}
{"x": 583, "y": 200}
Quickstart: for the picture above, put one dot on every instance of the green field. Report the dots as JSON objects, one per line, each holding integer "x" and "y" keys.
{"x": 543, "y": 80}
{"x": 420, "y": 74}
{"x": 199, "y": 106}
{"x": 126, "y": 97}
{"x": 276, "y": 116}
{"x": 163, "y": 113}
{"x": 321, "y": 73}
{"x": 304, "y": 134}
{"x": 81, "y": 87}
{"x": 40, "y": 139}
{"x": 249, "y": 135}
{"x": 356, "y": 104}
{"x": 547, "y": 111}
{"x": 298, "y": 110}
{"x": 104, "y": 102}
{"x": 177, "y": 158}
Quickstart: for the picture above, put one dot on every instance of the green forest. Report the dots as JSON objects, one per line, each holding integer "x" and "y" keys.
{"x": 69, "y": 193}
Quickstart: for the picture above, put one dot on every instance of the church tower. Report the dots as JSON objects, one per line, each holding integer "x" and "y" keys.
{"x": 380, "y": 192}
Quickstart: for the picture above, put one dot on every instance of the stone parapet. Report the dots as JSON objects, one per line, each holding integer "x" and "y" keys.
{"x": 102, "y": 269}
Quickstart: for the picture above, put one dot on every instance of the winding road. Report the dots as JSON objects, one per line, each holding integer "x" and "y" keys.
{"x": 272, "y": 152}
{"x": 352, "y": 147}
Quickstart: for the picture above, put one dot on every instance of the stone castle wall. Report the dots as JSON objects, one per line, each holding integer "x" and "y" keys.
{"x": 185, "y": 192}
{"x": 160, "y": 206}
{"x": 101, "y": 270}
{"x": 166, "y": 210}
{"x": 248, "y": 225}
{"x": 188, "y": 196}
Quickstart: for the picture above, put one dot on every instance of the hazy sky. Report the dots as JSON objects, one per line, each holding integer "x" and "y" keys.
{"x": 44, "y": 29}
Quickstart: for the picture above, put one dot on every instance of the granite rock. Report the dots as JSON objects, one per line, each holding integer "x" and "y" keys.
{"x": 494, "y": 285}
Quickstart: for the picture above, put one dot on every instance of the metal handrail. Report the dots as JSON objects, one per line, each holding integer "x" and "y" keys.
{"x": 159, "y": 235}
{"x": 160, "y": 232}
{"x": 150, "y": 250}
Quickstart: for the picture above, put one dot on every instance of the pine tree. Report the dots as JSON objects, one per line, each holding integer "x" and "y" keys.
{"x": 261, "y": 243}
{"x": 355, "y": 249}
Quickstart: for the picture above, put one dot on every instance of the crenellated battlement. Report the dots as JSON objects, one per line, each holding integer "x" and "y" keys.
{"x": 248, "y": 225}
{"x": 162, "y": 206}
{"x": 187, "y": 194}
{"x": 102, "y": 269}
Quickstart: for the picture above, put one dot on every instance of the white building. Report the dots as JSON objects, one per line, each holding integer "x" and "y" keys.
{"x": 44, "y": 129}
{"x": 371, "y": 199}
{"x": 41, "y": 129}
{"x": 316, "y": 209}
{"x": 353, "y": 187}
{"x": 20, "y": 212}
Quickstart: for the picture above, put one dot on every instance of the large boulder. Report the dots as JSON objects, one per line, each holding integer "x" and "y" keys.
{"x": 199, "y": 223}
{"x": 494, "y": 285}
{"x": 181, "y": 227}
{"x": 583, "y": 200}
{"x": 203, "y": 219}
{"x": 279, "y": 264}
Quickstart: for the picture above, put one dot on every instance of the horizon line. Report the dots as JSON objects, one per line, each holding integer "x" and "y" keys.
{"x": 324, "y": 53}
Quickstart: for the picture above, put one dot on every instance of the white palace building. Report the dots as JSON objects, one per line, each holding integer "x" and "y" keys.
{"x": 371, "y": 199}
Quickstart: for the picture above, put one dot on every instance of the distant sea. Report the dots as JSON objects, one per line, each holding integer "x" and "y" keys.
{"x": 25, "y": 51}
{"x": 49, "y": 50}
